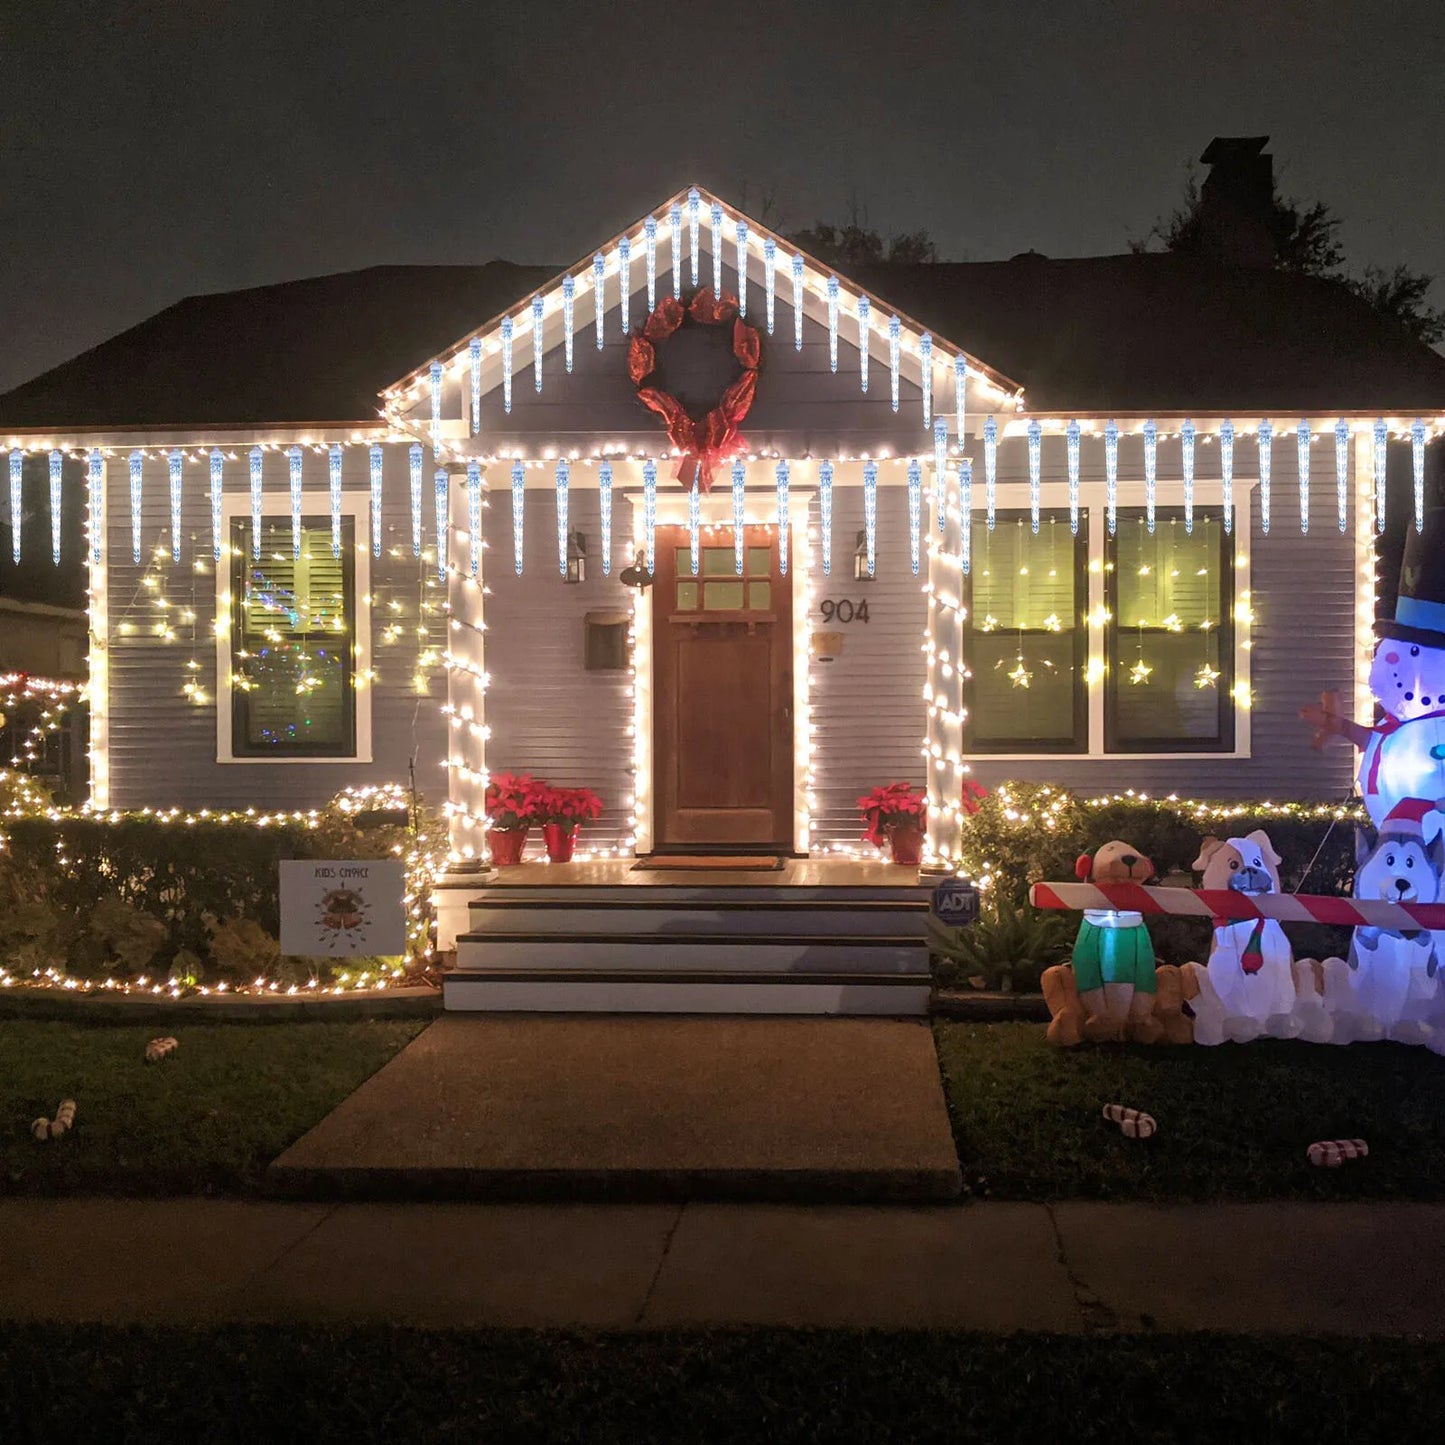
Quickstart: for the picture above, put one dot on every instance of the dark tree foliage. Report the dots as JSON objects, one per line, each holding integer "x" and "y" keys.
{"x": 857, "y": 244}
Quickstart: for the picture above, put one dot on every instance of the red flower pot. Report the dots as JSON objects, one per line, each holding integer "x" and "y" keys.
{"x": 906, "y": 845}
{"x": 506, "y": 845}
{"x": 560, "y": 841}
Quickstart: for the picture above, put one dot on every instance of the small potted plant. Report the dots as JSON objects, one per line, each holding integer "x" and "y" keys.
{"x": 511, "y": 804}
{"x": 895, "y": 812}
{"x": 562, "y": 811}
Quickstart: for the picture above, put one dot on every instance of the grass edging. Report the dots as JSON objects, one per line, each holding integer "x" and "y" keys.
{"x": 114, "y": 1009}
{"x": 988, "y": 1006}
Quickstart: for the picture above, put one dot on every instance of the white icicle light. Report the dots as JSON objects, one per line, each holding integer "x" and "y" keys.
{"x": 960, "y": 396}
{"x": 694, "y": 527}
{"x": 1151, "y": 473}
{"x": 649, "y": 513}
{"x": 57, "y": 463}
{"x": 825, "y": 514}
{"x": 1417, "y": 460}
{"x": 375, "y": 458}
{"x": 174, "y": 461}
{"x": 599, "y": 293}
{"x": 740, "y": 473}
{"x": 940, "y": 462}
{"x": 624, "y": 283}
{"x": 1342, "y": 472}
{"x": 797, "y": 303}
{"x": 649, "y": 247}
{"x": 537, "y": 323}
{"x": 508, "y": 327}
{"x": 870, "y": 514}
{"x": 569, "y": 317}
{"x": 674, "y": 226}
{"x": 95, "y": 479}
{"x": 770, "y": 282}
{"x": 925, "y": 377}
{"x": 833, "y": 323}
{"x": 604, "y": 507}
{"x": 440, "y": 482}
{"x": 895, "y": 346}
{"x": 333, "y": 459}
{"x": 694, "y": 215}
{"x": 414, "y": 459}
{"x": 1035, "y": 448}
{"x": 1186, "y": 464}
{"x": 915, "y": 509}
{"x": 783, "y": 475}
{"x": 1381, "y": 439}
{"x": 742, "y": 239}
{"x": 137, "y": 465}
{"x": 564, "y": 478}
{"x": 1111, "y": 475}
{"x": 17, "y": 510}
{"x": 218, "y": 463}
{"x": 293, "y": 458}
{"x": 965, "y": 509}
{"x": 717, "y": 248}
{"x": 519, "y": 511}
{"x": 865, "y": 325}
{"x": 474, "y": 377}
{"x": 1226, "y": 473}
{"x": 990, "y": 470}
{"x": 1302, "y": 454}
{"x": 474, "y": 517}
{"x": 437, "y": 374}
{"x": 256, "y": 481}
{"x": 1071, "y": 440}
{"x": 1264, "y": 439}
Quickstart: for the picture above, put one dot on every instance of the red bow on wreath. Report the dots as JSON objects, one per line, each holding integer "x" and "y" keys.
{"x": 705, "y": 442}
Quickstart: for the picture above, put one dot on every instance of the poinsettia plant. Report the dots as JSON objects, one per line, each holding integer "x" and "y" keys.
{"x": 513, "y": 800}
{"x": 890, "y": 806}
{"x": 568, "y": 807}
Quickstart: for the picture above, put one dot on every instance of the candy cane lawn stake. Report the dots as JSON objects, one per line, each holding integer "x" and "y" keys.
{"x": 1133, "y": 1123}
{"x": 1331, "y": 1153}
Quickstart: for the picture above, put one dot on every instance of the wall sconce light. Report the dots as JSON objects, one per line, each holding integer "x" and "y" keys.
{"x": 860, "y": 560}
{"x": 576, "y": 557}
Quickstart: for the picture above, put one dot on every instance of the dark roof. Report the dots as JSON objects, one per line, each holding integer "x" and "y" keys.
{"x": 1127, "y": 334}
{"x": 318, "y": 350}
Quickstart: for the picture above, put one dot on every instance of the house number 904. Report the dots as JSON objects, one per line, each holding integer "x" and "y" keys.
{"x": 844, "y": 611}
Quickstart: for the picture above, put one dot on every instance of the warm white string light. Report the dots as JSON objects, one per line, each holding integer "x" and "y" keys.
{"x": 870, "y": 514}
{"x": 915, "y": 509}
{"x": 1035, "y": 435}
{"x": 1264, "y": 439}
{"x": 604, "y": 507}
{"x": 1071, "y": 437}
{"x": 825, "y": 514}
{"x": 1186, "y": 463}
{"x": 414, "y": 460}
{"x": 519, "y": 504}
{"x": 1151, "y": 472}
{"x": 990, "y": 470}
{"x": 564, "y": 477}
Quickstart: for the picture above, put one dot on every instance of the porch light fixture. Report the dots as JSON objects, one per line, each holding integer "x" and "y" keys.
{"x": 576, "y": 558}
{"x": 860, "y": 560}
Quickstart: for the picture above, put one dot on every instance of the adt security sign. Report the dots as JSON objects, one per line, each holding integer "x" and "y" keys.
{"x": 342, "y": 908}
{"x": 955, "y": 903}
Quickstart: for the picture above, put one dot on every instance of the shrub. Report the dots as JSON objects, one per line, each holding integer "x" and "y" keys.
{"x": 1008, "y": 948}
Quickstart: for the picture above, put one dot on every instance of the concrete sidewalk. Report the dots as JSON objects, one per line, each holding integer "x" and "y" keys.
{"x": 1076, "y": 1267}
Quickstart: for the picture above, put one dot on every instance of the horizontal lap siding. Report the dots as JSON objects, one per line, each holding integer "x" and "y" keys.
{"x": 548, "y": 715}
{"x": 163, "y": 747}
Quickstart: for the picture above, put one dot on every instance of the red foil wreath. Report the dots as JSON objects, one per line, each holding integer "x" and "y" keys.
{"x": 705, "y": 442}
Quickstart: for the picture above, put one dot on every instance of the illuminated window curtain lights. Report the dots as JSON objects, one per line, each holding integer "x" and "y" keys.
{"x": 1302, "y": 454}
{"x": 739, "y": 479}
{"x": 1226, "y": 473}
{"x": 604, "y": 507}
{"x": 915, "y": 509}
{"x": 1186, "y": 463}
{"x": 569, "y": 317}
{"x": 519, "y": 501}
{"x": 440, "y": 482}
{"x": 293, "y": 457}
{"x": 865, "y": 324}
{"x": 1151, "y": 473}
{"x": 599, "y": 294}
{"x": 797, "y": 303}
{"x": 1071, "y": 438}
{"x": 375, "y": 458}
{"x": 414, "y": 460}
{"x": 649, "y": 514}
{"x": 990, "y": 470}
{"x": 870, "y": 514}
{"x": 770, "y": 281}
{"x": 1111, "y": 476}
{"x": 257, "y": 463}
{"x": 95, "y": 472}
{"x": 1417, "y": 462}
{"x": 1035, "y": 435}
{"x": 333, "y": 463}
{"x": 783, "y": 474}
{"x": 218, "y": 464}
{"x": 742, "y": 239}
{"x": 137, "y": 472}
{"x": 174, "y": 462}
{"x": 925, "y": 379}
{"x": 825, "y": 514}
{"x": 474, "y": 517}
{"x": 940, "y": 462}
{"x": 1264, "y": 440}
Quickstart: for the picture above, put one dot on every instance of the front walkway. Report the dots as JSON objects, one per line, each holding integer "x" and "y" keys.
{"x": 1074, "y": 1267}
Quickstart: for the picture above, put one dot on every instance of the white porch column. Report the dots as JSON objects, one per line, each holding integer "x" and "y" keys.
{"x": 466, "y": 716}
{"x": 943, "y": 686}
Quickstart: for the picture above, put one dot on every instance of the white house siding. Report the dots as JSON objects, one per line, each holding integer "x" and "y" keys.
{"x": 162, "y": 746}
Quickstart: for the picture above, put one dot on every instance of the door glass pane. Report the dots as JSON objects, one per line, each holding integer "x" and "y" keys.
{"x": 724, "y": 597}
{"x": 718, "y": 562}
{"x": 686, "y": 596}
{"x": 760, "y": 561}
{"x": 760, "y": 596}
{"x": 684, "y": 562}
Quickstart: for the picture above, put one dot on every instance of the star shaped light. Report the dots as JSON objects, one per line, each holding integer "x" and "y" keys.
{"x": 1140, "y": 672}
{"x": 1207, "y": 676}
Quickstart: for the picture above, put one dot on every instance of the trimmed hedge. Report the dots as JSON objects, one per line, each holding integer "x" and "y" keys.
{"x": 1025, "y": 833}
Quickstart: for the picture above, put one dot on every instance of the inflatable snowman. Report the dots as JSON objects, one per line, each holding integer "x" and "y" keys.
{"x": 1403, "y": 755}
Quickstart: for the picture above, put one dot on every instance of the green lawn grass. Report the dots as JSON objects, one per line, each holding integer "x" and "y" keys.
{"x": 90, "y": 1382}
{"x": 1234, "y": 1121}
{"x": 207, "y": 1119}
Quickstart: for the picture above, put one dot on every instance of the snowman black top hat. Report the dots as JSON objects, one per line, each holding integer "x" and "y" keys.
{"x": 1420, "y": 606}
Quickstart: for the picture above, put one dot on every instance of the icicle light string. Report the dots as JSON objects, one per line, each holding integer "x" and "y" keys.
{"x": 1342, "y": 472}
{"x": 1264, "y": 440}
{"x": 1302, "y": 455}
{"x": 717, "y": 248}
{"x": 256, "y": 484}
{"x": 895, "y": 334}
{"x": 1226, "y": 473}
{"x": 218, "y": 463}
{"x": 694, "y": 215}
{"x": 742, "y": 238}
{"x": 865, "y": 322}
{"x": 739, "y": 480}
{"x": 783, "y": 472}
{"x": 925, "y": 361}
{"x": 507, "y": 333}
{"x": 569, "y": 318}
{"x": 624, "y": 283}
{"x": 960, "y": 397}
{"x": 798, "y": 303}
{"x": 1186, "y": 463}
{"x": 1111, "y": 476}
{"x": 599, "y": 294}
{"x": 770, "y": 281}
{"x": 1035, "y": 436}
{"x": 376, "y": 458}
{"x": 414, "y": 467}
{"x": 537, "y": 311}
{"x": 474, "y": 517}
{"x": 293, "y": 459}
{"x": 965, "y": 509}
{"x": 519, "y": 504}
{"x": 333, "y": 466}
{"x": 604, "y": 507}
{"x": 915, "y": 510}
{"x": 1381, "y": 438}
{"x": 694, "y": 527}
{"x": 833, "y": 323}
{"x": 1071, "y": 436}
{"x": 649, "y": 250}
{"x": 137, "y": 464}
{"x": 95, "y": 477}
{"x": 564, "y": 478}
{"x": 674, "y": 227}
{"x": 649, "y": 513}
{"x": 1151, "y": 472}
{"x": 174, "y": 463}
{"x": 825, "y": 514}
{"x": 441, "y": 483}
{"x": 474, "y": 377}
{"x": 1417, "y": 462}
{"x": 870, "y": 514}
{"x": 990, "y": 469}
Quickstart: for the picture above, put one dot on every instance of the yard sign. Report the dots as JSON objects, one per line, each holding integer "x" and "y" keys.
{"x": 342, "y": 907}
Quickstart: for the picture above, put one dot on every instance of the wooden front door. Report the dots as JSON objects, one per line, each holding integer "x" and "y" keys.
{"x": 722, "y": 693}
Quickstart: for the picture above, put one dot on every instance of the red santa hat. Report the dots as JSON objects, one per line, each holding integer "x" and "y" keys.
{"x": 1414, "y": 817}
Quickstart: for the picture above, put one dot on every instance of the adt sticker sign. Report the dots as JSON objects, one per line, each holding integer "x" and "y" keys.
{"x": 342, "y": 908}
{"x": 955, "y": 903}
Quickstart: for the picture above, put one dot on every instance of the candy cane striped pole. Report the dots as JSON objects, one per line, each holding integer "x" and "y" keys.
{"x": 1235, "y": 907}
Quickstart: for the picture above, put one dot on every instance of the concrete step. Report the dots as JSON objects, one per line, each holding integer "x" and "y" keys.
{"x": 639, "y": 895}
{"x": 597, "y": 990}
{"x": 686, "y": 917}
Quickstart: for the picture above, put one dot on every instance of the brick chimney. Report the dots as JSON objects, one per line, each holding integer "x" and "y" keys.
{"x": 1236, "y": 201}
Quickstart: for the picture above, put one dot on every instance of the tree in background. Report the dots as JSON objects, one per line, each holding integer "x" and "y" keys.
{"x": 858, "y": 244}
{"x": 1305, "y": 240}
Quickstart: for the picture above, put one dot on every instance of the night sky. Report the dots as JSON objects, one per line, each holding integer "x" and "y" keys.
{"x": 157, "y": 148}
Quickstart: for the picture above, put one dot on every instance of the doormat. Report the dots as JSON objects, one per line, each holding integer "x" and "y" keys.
{"x": 699, "y": 863}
